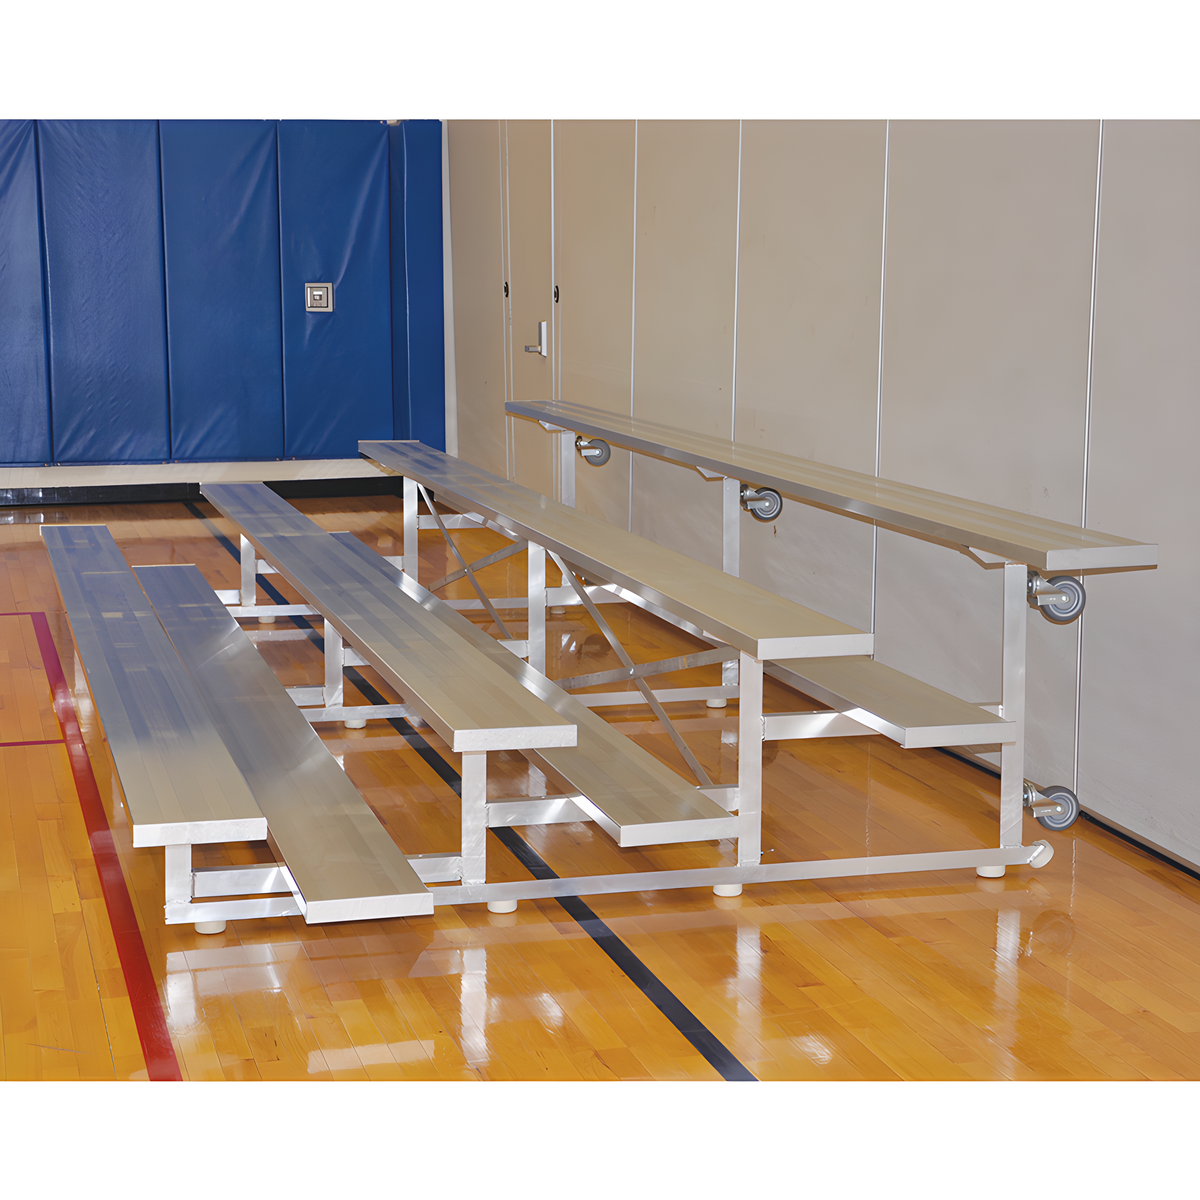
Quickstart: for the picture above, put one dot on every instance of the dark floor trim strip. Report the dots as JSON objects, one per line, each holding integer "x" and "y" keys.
{"x": 1091, "y": 820}
{"x": 144, "y": 999}
{"x": 47, "y": 742}
{"x": 717, "y": 1054}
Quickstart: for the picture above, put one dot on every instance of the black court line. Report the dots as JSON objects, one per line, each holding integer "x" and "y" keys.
{"x": 719, "y": 1056}
{"x": 714, "y": 1051}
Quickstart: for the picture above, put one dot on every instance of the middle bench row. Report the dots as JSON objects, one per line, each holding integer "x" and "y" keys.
{"x": 469, "y": 687}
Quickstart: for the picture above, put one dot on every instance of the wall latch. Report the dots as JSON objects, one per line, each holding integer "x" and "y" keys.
{"x": 540, "y": 348}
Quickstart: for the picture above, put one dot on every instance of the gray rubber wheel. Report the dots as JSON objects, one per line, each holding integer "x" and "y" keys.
{"x": 1069, "y": 815}
{"x": 1064, "y": 614}
{"x": 768, "y": 504}
{"x": 593, "y": 444}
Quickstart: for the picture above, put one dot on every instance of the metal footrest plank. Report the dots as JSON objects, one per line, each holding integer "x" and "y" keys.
{"x": 240, "y": 881}
{"x": 663, "y": 696}
{"x": 778, "y": 727}
{"x": 535, "y": 810}
{"x": 360, "y": 712}
{"x": 232, "y": 910}
{"x": 271, "y": 610}
{"x": 437, "y": 868}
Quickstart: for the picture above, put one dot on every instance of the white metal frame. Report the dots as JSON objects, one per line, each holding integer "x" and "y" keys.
{"x": 742, "y": 677}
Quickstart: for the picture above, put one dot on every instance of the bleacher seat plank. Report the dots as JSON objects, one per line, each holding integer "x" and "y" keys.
{"x": 625, "y": 789}
{"x": 342, "y": 861}
{"x": 1019, "y": 537}
{"x": 738, "y": 613}
{"x": 467, "y": 698}
{"x": 180, "y": 783}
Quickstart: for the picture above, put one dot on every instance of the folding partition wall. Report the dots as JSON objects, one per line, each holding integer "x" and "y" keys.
{"x": 152, "y": 289}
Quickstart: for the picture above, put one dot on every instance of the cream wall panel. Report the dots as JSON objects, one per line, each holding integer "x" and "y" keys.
{"x": 1141, "y": 640}
{"x": 684, "y": 301}
{"x": 809, "y": 276}
{"x": 593, "y": 223}
{"x": 476, "y": 218}
{"x": 808, "y": 288}
{"x": 984, "y": 386}
{"x": 989, "y": 261}
{"x": 531, "y": 293}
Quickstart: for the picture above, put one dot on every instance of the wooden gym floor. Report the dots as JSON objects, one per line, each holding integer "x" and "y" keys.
{"x": 1083, "y": 970}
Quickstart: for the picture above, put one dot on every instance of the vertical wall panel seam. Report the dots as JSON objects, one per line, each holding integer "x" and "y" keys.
{"x": 45, "y": 267}
{"x": 510, "y": 449}
{"x": 887, "y": 142}
{"x": 162, "y": 266}
{"x": 1087, "y": 444}
{"x": 555, "y": 330}
{"x": 633, "y": 318}
{"x": 450, "y": 362}
{"x": 737, "y": 281}
{"x": 282, "y": 356}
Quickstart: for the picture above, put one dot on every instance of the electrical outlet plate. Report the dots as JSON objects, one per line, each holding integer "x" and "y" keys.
{"x": 318, "y": 297}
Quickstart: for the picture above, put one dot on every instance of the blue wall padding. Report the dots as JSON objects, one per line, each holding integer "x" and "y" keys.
{"x": 221, "y": 238}
{"x": 104, "y": 270}
{"x": 24, "y": 400}
{"x": 337, "y": 367}
{"x": 424, "y": 391}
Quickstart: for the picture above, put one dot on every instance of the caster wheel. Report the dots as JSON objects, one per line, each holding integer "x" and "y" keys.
{"x": 727, "y": 889}
{"x": 502, "y": 906}
{"x": 357, "y": 723}
{"x": 1070, "y": 805}
{"x": 763, "y": 504}
{"x": 210, "y": 926}
{"x": 1064, "y": 614}
{"x": 1043, "y": 856}
{"x": 990, "y": 872}
{"x": 266, "y": 620}
{"x": 595, "y": 451}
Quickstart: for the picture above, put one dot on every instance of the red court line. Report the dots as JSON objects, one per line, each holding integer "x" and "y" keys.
{"x": 48, "y": 742}
{"x": 161, "y": 1063}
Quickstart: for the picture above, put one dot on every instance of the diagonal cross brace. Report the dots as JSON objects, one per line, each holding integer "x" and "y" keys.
{"x": 479, "y": 563}
{"x": 465, "y": 565}
{"x": 643, "y": 687}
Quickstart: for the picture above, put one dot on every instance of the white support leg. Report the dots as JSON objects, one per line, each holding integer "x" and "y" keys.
{"x": 566, "y": 466}
{"x": 411, "y": 558}
{"x": 474, "y": 816}
{"x": 249, "y": 561}
{"x": 335, "y": 663}
{"x": 249, "y": 589}
{"x": 179, "y": 883}
{"x": 731, "y": 564}
{"x": 750, "y": 743}
{"x": 537, "y": 608}
{"x": 731, "y": 526}
{"x": 1012, "y": 702}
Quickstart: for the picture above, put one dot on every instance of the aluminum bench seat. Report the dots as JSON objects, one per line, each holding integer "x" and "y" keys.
{"x": 181, "y": 785}
{"x": 740, "y": 614}
{"x": 1018, "y": 537}
{"x": 631, "y": 795}
{"x": 343, "y": 865}
{"x": 473, "y": 704}
{"x": 913, "y": 713}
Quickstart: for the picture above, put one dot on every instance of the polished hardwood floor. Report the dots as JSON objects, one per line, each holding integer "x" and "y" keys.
{"x": 1086, "y": 969}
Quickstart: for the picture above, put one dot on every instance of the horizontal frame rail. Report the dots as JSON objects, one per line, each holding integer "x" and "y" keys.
{"x": 1036, "y": 855}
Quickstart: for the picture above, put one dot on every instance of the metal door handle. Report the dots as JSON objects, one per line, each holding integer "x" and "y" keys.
{"x": 540, "y": 348}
